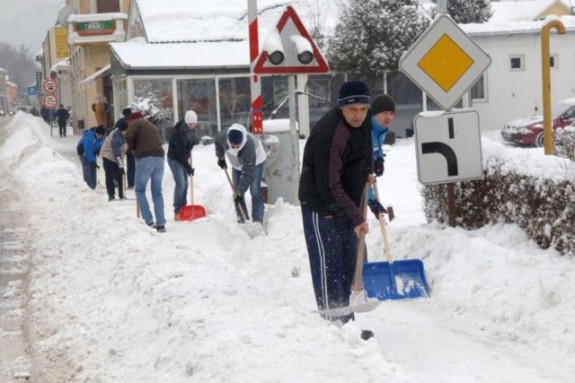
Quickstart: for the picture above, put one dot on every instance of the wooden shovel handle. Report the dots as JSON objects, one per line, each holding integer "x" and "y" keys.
{"x": 191, "y": 181}
{"x": 357, "y": 284}
{"x": 386, "y": 249}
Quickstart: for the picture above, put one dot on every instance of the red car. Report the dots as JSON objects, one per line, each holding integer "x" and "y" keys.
{"x": 529, "y": 131}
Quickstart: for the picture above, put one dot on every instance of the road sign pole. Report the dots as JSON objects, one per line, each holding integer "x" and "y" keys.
{"x": 294, "y": 140}
{"x": 255, "y": 84}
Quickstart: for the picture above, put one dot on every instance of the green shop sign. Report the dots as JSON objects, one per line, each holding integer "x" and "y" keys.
{"x": 95, "y": 28}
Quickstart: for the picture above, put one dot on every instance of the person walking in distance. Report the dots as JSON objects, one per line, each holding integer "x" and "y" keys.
{"x": 336, "y": 168}
{"x": 247, "y": 156}
{"x": 180, "y": 147}
{"x": 144, "y": 139}
{"x": 62, "y": 116}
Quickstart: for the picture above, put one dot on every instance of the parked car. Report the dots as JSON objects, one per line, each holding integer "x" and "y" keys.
{"x": 529, "y": 131}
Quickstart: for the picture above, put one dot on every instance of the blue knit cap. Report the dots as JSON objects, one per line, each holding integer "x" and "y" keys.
{"x": 235, "y": 137}
{"x": 353, "y": 92}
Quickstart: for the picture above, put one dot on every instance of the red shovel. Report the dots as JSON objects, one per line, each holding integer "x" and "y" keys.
{"x": 191, "y": 212}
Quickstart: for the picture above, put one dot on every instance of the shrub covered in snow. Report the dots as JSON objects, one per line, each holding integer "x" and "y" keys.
{"x": 564, "y": 142}
{"x": 539, "y": 197}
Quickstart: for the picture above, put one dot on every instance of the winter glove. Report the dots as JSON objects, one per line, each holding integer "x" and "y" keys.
{"x": 191, "y": 171}
{"x": 378, "y": 167}
{"x": 122, "y": 171}
{"x": 239, "y": 199}
{"x": 95, "y": 165}
{"x": 222, "y": 163}
{"x": 376, "y": 208}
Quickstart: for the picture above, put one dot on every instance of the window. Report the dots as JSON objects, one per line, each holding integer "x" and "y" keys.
{"x": 108, "y": 6}
{"x": 478, "y": 90}
{"x": 235, "y": 101}
{"x": 200, "y": 96}
{"x": 516, "y": 63}
{"x": 554, "y": 61}
{"x": 154, "y": 98}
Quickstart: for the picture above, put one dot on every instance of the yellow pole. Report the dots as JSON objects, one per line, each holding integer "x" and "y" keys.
{"x": 546, "y": 75}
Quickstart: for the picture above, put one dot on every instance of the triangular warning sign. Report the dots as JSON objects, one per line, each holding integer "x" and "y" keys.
{"x": 290, "y": 40}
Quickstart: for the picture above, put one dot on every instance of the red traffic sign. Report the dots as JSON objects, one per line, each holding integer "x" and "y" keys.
{"x": 49, "y": 85}
{"x": 289, "y": 49}
{"x": 50, "y": 101}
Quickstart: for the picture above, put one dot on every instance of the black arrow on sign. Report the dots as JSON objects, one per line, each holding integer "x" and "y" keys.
{"x": 446, "y": 151}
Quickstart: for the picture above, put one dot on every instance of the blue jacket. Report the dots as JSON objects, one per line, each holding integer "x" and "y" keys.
{"x": 92, "y": 144}
{"x": 378, "y": 134}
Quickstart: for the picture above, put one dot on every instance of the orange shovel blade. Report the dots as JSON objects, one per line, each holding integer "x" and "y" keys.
{"x": 191, "y": 212}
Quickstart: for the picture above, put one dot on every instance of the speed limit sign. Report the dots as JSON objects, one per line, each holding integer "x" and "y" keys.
{"x": 50, "y": 101}
{"x": 49, "y": 86}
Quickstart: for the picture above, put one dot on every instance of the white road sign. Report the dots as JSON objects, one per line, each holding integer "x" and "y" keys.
{"x": 50, "y": 101}
{"x": 448, "y": 146}
{"x": 444, "y": 62}
{"x": 49, "y": 86}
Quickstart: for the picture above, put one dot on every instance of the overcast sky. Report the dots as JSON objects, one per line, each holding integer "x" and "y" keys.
{"x": 27, "y": 21}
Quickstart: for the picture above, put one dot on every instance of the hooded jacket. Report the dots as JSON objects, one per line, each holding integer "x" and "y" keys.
{"x": 337, "y": 161}
{"x": 114, "y": 146}
{"x": 245, "y": 159}
{"x": 181, "y": 144}
{"x": 91, "y": 144}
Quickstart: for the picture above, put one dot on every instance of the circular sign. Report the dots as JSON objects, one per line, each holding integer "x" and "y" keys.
{"x": 50, "y": 101}
{"x": 49, "y": 85}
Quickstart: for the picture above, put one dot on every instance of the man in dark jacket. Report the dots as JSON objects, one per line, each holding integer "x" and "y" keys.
{"x": 62, "y": 115}
{"x": 337, "y": 164}
{"x": 180, "y": 148}
{"x": 144, "y": 139}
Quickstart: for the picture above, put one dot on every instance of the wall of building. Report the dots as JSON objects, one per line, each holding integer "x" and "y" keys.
{"x": 515, "y": 94}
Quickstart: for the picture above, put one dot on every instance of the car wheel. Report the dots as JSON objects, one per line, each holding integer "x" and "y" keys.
{"x": 539, "y": 140}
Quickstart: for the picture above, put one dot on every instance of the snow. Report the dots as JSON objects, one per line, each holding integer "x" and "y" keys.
{"x": 111, "y": 300}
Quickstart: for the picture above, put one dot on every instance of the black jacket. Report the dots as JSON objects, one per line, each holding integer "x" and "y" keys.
{"x": 337, "y": 161}
{"x": 181, "y": 144}
{"x": 62, "y": 115}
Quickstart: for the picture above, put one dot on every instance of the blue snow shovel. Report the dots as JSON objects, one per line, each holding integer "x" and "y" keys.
{"x": 404, "y": 279}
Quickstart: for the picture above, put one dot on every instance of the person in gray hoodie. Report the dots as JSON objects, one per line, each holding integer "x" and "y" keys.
{"x": 112, "y": 153}
{"x": 246, "y": 155}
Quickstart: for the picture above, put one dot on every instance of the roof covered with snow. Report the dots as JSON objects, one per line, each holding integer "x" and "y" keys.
{"x": 216, "y": 33}
{"x": 218, "y": 20}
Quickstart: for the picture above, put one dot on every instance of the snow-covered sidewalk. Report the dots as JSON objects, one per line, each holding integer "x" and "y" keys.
{"x": 111, "y": 300}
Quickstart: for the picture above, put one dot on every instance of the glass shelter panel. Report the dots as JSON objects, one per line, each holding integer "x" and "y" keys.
{"x": 200, "y": 96}
{"x": 154, "y": 98}
{"x": 235, "y": 101}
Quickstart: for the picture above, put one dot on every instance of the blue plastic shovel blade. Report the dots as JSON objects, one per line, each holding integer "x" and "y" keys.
{"x": 403, "y": 279}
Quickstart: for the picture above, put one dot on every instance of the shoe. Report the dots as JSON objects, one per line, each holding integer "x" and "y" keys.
{"x": 111, "y": 198}
{"x": 366, "y": 334}
{"x": 176, "y": 217}
{"x": 161, "y": 229}
{"x": 151, "y": 224}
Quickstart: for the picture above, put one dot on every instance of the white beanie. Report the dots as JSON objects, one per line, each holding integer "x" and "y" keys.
{"x": 191, "y": 117}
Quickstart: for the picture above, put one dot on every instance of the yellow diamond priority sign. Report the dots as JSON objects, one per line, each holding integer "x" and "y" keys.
{"x": 444, "y": 62}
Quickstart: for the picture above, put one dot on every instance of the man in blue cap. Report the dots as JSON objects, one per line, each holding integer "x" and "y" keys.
{"x": 337, "y": 165}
